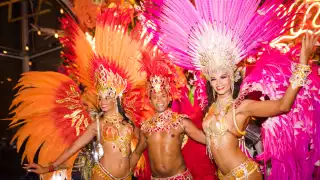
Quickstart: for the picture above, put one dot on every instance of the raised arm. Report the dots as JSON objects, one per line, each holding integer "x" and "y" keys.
{"x": 275, "y": 107}
{"x": 193, "y": 132}
{"x": 84, "y": 139}
{"x": 134, "y": 158}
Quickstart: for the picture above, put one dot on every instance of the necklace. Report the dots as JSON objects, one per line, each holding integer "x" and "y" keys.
{"x": 222, "y": 107}
{"x": 114, "y": 119}
{"x": 165, "y": 121}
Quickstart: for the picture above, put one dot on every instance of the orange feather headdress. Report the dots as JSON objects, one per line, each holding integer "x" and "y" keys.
{"x": 52, "y": 107}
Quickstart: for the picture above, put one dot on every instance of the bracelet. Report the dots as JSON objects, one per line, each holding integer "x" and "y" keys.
{"x": 299, "y": 75}
{"x": 51, "y": 168}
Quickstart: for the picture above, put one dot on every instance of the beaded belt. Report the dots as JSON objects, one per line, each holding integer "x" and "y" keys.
{"x": 106, "y": 175}
{"x": 242, "y": 171}
{"x": 186, "y": 175}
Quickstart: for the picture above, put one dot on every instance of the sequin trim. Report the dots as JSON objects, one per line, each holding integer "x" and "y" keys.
{"x": 186, "y": 175}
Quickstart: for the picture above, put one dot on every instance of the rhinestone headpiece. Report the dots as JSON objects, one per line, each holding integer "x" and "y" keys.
{"x": 158, "y": 83}
{"x": 109, "y": 82}
{"x": 217, "y": 52}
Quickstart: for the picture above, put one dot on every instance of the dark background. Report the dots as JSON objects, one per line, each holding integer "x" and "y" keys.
{"x": 11, "y": 68}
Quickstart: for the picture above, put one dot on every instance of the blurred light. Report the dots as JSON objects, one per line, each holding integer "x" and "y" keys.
{"x": 5, "y": 52}
{"x": 1, "y": 82}
{"x": 27, "y": 48}
{"x": 39, "y": 33}
{"x": 56, "y": 35}
{"x": 30, "y": 63}
{"x": 61, "y": 11}
{"x": 9, "y": 79}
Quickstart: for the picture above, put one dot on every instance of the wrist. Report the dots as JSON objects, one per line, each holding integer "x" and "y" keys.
{"x": 52, "y": 167}
{"x": 46, "y": 169}
{"x": 304, "y": 60}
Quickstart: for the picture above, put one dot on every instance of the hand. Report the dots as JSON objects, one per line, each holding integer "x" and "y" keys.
{"x": 36, "y": 168}
{"x": 308, "y": 41}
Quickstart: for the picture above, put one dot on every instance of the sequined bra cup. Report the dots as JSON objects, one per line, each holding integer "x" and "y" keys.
{"x": 164, "y": 122}
{"x": 118, "y": 140}
{"x": 216, "y": 129}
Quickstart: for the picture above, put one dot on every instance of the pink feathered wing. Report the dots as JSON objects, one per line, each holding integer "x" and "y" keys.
{"x": 291, "y": 141}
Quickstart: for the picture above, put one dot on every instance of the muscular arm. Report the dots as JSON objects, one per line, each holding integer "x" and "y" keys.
{"x": 134, "y": 158}
{"x": 193, "y": 132}
{"x": 84, "y": 139}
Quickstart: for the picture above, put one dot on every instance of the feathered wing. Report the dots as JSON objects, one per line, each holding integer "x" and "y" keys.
{"x": 78, "y": 50}
{"x": 48, "y": 106}
{"x": 291, "y": 141}
{"x": 184, "y": 30}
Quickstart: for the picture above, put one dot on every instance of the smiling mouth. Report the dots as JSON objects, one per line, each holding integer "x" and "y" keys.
{"x": 220, "y": 88}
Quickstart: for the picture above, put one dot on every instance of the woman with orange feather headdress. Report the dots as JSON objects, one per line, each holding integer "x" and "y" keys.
{"x": 51, "y": 106}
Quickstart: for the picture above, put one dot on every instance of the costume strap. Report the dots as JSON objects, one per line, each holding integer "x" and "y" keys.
{"x": 235, "y": 122}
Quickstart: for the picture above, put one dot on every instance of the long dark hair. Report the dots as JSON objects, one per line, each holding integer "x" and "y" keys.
{"x": 212, "y": 99}
{"x": 122, "y": 111}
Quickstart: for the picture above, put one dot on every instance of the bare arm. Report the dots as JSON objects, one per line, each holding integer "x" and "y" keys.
{"x": 84, "y": 139}
{"x": 193, "y": 132}
{"x": 283, "y": 105}
{"x": 135, "y": 156}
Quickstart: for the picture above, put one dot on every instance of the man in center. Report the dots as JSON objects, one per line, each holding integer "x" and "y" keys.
{"x": 163, "y": 133}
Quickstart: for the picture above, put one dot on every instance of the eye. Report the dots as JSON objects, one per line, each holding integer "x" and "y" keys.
{"x": 213, "y": 79}
{"x": 224, "y": 76}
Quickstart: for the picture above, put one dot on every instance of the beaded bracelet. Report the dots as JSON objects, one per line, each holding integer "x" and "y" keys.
{"x": 299, "y": 75}
{"x": 51, "y": 168}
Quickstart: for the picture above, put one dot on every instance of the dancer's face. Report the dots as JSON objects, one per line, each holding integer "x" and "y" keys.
{"x": 221, "y": 82}
{"x": 106, "y": 102}
{"x": 160, "y": 100}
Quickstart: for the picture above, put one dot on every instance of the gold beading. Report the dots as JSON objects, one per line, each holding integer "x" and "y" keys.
{"x": 299, "y": 75}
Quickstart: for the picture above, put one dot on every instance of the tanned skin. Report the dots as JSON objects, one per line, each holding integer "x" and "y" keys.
{"x": 120, "y": 166}
{"x": 229, "y": 155}
{"x": 164, "y": 148}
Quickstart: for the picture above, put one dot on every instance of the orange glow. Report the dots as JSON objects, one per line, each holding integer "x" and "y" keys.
{"x": 300, "y": 24}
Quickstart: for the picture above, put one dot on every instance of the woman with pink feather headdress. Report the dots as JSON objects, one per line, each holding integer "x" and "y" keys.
{"x": 214, "y": 36}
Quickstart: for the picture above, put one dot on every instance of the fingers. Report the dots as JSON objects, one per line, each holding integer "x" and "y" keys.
{"x": 33, "y": 165}
{"x": 310, "y": 39}
{"x": 316, "y": 38}
{"x": 33, "y": 170}
{"x": 304, "y": 40}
